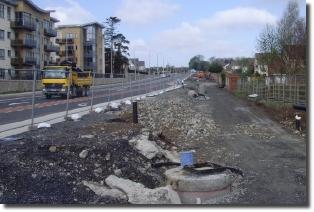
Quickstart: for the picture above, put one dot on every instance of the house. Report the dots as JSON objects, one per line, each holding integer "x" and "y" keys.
{"x": 291, "y": 61}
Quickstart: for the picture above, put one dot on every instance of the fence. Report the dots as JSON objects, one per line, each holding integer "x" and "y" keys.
{"x": 97, "y": 95}
{"x": 280, "y": 88}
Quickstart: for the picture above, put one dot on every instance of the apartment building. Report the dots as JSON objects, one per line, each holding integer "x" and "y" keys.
{"x": 7, "y": 13}
{"x": 34, "y": 29}
{"x": 26, "y": 33}
{"x": 83, "y": 45}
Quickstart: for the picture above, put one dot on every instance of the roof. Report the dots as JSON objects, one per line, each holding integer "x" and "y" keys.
{"x": 35, "y": 7}
{"x": 81, "y": 25}
{"x": 10, "y": 2}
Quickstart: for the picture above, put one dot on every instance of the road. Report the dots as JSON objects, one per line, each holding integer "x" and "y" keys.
{"x": 18, "y": 107}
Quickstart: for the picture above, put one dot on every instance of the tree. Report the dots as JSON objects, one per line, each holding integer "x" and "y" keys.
{"x": 215, "y": 68}
{"x": 115, "y": 40}
{"x": 275, "y": 39}
{"x": 195, "y": 62}
{"x": 120, "y": 58}
{"x": 110, "y": 30}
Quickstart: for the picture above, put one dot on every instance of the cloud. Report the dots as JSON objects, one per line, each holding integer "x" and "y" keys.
{"x": 240, "y": 17}
{"x": 144, "y": 12}
{"x": 72, "y": 13}
{"x": 226, "y": 33}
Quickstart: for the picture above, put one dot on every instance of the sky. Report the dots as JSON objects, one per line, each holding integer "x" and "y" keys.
{"x": 173, "y": 31}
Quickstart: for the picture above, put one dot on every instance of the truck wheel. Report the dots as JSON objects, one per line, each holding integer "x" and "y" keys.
{"x": 48, "y": 96}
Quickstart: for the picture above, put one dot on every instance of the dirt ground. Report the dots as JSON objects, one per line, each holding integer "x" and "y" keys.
{"x": 242, "y": 135}
{"x": 33, "y": 172}
{"x": 45, "y": 166}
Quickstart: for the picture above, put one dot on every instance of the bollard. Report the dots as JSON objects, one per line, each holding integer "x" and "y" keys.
{"x": 298, "y": 122}
{"x": 135, "y": 114}
{"x": 33, "y": 98}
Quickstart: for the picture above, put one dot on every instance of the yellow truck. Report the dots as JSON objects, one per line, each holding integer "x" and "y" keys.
{"x": 56, "y": 81}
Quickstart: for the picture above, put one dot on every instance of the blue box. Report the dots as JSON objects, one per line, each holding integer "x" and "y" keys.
{"x": 187, "y": 158}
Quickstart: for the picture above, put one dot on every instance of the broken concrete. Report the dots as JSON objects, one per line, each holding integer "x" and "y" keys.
{"x": 104, "y": 191}
{"x": 144, "y": 146}
{"x": 138, "y": 194}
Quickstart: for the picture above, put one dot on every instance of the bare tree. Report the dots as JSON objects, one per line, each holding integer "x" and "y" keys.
{"x": 284, "y": 42}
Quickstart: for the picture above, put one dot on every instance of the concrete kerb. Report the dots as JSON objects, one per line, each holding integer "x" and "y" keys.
{"x": 23, "y": 126}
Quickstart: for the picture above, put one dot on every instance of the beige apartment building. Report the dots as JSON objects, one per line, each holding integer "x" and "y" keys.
{"x": 29, "y": 31}
{"x": 7, "y": 13}
{"x": 83, "y": 45}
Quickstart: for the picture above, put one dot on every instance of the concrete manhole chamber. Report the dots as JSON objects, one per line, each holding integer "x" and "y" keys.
{"x": 197, "y": 188}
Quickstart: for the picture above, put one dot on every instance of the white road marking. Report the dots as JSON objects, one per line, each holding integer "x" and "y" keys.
{"x": 10, "y": 100}
{"x": 19, "y": 103}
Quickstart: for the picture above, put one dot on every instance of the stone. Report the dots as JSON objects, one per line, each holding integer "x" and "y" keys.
{"x": 138, "y": 194}
{"x": 43, "y": 125}
{"x": 52, "y": 149}
{"x": 83, "y": 154}
{"x": 145, "y": 147}
{"x": 88, "y": 136}
{"x": 76, "y": 117}
{"x": 103, "y": 191}
{"x": 98, "y": 171}
{"x": 117, "y": 172}
{"x": 192, "y": 93}
{"x": 34, "y": 176}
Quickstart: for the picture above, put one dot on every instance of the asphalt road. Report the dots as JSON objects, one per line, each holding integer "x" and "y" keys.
{"x": 19, "y": 107}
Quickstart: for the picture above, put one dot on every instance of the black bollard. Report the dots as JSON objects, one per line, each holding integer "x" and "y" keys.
{"x": 135, "y": 114}
{"x": 298, "y": 122}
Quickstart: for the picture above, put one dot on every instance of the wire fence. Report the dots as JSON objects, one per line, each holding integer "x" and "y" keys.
{"x": 71, "y": 93}
{"x": 278, "y": 88}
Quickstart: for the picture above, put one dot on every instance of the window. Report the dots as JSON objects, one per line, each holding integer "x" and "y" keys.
{"x": 9, "y": 35}
{"x": 2, "y": 73}
{"x": 9, "y": 13}
{"x": 2, "y": 54}
{"x": 9, "y": 53}
{"x": 1, "y": 34}
{"x": 1, "y": 11}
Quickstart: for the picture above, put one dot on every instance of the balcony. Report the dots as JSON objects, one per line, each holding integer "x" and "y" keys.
{"x": 26, "y": 43}
{"x": 68, "y": 53}
{"x": 49, "y": 47}
{"x": 50, "y": 32}
{"x": 64, "y": 40}
{"x": 26, "y": 61}
{"x": 23, "y": 24}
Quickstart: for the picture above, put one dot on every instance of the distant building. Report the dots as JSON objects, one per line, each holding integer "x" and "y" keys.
{"x": 83, "y": 45}
{"x": 291, "y": 61}
{"x": 136, "y": 64}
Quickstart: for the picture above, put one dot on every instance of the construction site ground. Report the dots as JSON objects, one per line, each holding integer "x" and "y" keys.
{"x": 45, "y": 166}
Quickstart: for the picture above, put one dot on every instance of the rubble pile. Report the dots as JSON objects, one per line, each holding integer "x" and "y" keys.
{"x": 176, "y": 121}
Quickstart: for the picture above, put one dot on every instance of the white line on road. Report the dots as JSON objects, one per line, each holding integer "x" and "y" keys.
{"x": 19, "y": 103}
